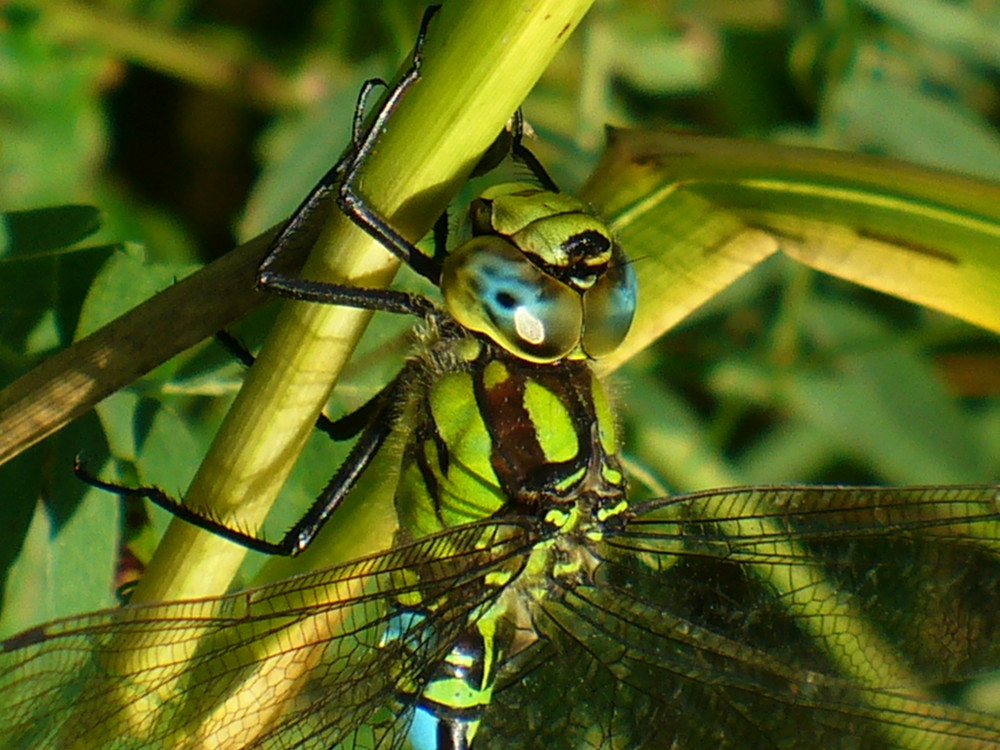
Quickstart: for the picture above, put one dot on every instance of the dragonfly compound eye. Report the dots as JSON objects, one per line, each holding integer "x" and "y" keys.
{"x": 490, "y": 287}
{"x": 608, "y": 307}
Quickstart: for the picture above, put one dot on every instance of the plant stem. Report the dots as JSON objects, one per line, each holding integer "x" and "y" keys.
{"x": 481, "y": 60}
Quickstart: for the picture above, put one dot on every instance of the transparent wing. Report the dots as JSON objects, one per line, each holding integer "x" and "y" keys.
{"x": 769, "y": 617}
{"x": 316, "y": 661}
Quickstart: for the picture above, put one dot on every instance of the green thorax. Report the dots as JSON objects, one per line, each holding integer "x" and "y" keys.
{"x": 495, "y": 435}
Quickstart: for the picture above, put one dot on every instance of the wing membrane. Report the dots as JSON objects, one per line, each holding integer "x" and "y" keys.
{"x": 760, "y": 617}
{"x": 770, "y": 617}
{"x": 305, "y": 662}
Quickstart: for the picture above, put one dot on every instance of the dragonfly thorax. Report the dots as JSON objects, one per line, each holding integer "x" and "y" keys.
{"x": 495, "y": 435}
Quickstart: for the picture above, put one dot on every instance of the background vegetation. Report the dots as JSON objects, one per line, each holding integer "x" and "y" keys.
{"x": 195, "y": 125}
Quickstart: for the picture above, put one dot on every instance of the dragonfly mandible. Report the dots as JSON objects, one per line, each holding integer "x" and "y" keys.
{"x": 528, "y": 602}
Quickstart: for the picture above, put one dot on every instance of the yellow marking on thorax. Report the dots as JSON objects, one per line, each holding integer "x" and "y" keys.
{"x": 495, "y": 373}
{"x": 553, "y": 423}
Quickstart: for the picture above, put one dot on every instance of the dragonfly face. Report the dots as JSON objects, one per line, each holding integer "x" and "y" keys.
{"x": 527, "y": 602}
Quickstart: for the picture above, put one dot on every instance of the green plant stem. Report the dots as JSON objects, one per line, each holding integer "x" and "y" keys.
{"x": 481, "y": 60}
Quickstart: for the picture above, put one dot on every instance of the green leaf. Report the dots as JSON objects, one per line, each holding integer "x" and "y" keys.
{"x": 920, "y": 234}
{"x": 41, "y": 230}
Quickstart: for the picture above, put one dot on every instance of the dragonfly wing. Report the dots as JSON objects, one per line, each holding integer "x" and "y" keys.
{"x": 783, "y": 617}
{"x": 316, "y": 661}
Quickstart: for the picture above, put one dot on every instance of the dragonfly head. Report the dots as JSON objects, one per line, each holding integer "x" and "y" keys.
{"x": 540, "y": 275}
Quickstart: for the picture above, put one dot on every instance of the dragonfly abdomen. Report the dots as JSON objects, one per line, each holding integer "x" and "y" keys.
{"x": 452, "y": 703}
{"x": 449, "y": 703}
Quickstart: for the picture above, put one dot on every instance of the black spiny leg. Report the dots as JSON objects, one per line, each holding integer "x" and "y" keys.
{"x": 524, "y": 155}
{"x": 339, "y": 183}
{"x": 383, "y": 413}
{"x": 343, "y": 428}
{"x": 375, "y": 420}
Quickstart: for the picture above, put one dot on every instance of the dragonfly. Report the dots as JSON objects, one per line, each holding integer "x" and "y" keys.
{"x": 527, "y": 600}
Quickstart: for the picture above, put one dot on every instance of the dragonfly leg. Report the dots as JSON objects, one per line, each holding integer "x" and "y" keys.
{"x": 524, "y": 155}
{"x": 384, "y": 300}
{"x": 375, "y": 420}
{"x": 337, "y": 181}
{"x": 345, "y": 427}
{"x": 510, "y": 142}
{"x": 361, "y": 213}
{"x": 383, "y": 411}
{"x": 358, "y": 123}
{"x": 160, "y": 498}
{"x": 389, "y": 405}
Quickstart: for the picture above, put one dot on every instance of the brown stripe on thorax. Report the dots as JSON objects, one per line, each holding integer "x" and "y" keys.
{"x": 524, "y": 472}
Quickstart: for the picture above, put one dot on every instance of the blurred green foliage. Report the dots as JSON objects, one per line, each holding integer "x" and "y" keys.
{"x": 194, "y": 126}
